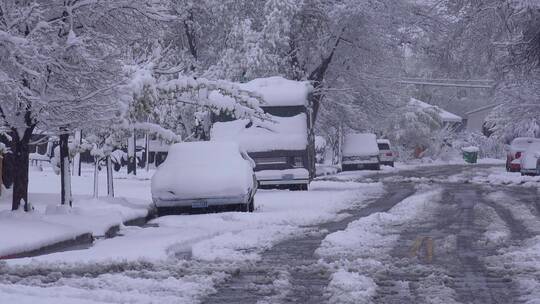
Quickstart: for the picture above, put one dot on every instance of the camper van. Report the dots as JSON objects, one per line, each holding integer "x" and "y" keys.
{"x": 283, "y": 147}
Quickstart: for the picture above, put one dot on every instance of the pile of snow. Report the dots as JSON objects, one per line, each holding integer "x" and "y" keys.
{"x": 203, "y": 170}
{"x": 349, "y": 287}
{"x": 275, "y": 91}
{"x": 360, "y": 144}
{"x": 282, "y": 133}
{"x": 470, "y": 149}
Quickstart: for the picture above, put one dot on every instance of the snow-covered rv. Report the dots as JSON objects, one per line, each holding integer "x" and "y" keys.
{"x": 283, "y": 148}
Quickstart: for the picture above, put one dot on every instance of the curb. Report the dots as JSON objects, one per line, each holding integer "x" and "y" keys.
{"x": 81, "y": 241}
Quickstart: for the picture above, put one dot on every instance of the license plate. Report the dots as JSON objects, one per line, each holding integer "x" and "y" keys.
{"x": 199, "y": 204}
{"x": 287, "y": 176}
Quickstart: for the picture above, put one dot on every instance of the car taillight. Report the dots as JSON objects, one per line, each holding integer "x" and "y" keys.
{"x": 518, "y": 155}
{"x": 389, "y": 154}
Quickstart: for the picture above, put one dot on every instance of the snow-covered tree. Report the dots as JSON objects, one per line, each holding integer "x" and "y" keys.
{"x": 60, "y": 68}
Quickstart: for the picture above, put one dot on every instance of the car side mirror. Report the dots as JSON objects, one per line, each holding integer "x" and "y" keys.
{"x": 537, "y": 154}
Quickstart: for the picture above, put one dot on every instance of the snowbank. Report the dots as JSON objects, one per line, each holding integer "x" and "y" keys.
{"x": 282, "y": 133}
{"x": 51, "y": 223}
{"x": 231, "y": 236}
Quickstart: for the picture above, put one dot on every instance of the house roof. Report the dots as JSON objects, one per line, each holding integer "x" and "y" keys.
{"x": 491, "y": 106}
{"x": 443, "y": 114}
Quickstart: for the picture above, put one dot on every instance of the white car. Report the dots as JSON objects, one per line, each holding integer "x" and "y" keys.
{"x": 360, "y": 151}
{"x": 200, "y": 175}
{"x": 529, "y": 161}
{"x": 516, "y": 148}
{"x": 386, "y": 155}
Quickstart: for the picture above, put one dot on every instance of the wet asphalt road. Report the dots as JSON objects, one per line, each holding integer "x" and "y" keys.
{"x": 437, "y": 273}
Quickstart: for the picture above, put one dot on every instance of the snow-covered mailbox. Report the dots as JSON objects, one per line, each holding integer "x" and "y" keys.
{"x": 283, "y": 149}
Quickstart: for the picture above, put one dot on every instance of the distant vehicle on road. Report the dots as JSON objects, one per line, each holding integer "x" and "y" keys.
{"x": 386, "y": 155}
{"x": 530, "y": 159}
{"x": 515, "y": 151}
{"x": 360, "y": 151}
{"x": 200, "y": 175}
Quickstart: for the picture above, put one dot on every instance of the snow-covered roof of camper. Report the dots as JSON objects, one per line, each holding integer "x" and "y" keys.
{"x": 445, "y": 115}
{"x": 276, "y": 91}
{"x": 283, "y": 133}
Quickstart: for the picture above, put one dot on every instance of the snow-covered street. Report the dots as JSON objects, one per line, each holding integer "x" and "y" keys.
{"x": 401, "y": 236}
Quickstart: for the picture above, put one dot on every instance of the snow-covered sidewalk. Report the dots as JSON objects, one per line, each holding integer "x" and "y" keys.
{"x": 229, "y": 236}
{"x": 50, "y": 224}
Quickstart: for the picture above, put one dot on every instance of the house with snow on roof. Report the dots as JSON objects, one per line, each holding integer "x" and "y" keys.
{"x": 450, "y": 120}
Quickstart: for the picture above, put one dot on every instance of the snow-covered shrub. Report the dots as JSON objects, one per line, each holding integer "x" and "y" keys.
{"x": 490, "y": 147}
{"x": 414, "y": 131}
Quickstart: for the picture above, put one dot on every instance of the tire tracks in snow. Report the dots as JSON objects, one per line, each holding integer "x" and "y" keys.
{"x": 290, "y": 271}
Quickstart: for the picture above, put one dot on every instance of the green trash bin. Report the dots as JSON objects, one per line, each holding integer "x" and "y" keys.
{"x": 470, "y": 154}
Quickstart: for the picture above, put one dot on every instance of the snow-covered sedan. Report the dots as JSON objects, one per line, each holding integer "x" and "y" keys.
{"x": 200, "y": 175}
{"x": 530, "y": 159}
{"x": 360, "y": 151}
{"x": 515, "y": 150}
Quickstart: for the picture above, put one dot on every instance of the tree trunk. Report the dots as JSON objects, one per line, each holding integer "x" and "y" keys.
{"x": 65, "y": 174}
{"x": 96, "y": 177}
{"x": 8, "y": 165}
{"x": 77, "y": 158}
{"x": 132, "y": 155}
{"x": 147, "y": 152}
{"x": 20, "y": 151}
{"x": 110, "y": 184}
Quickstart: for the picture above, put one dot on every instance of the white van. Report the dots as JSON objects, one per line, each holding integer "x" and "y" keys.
{"x": 529, "y": 161}
{"x": 360, "y": 151}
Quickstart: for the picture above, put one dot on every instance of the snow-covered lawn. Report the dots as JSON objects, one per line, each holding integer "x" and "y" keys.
{"x": 50, "y": 223}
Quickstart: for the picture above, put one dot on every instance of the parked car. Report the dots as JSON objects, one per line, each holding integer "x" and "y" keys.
{"x": 515, "y": 150}
{"x": 200, "y": 175}
{"x": 360, "y": 151}
{"x": 387, "y": 157}
{"x": 530, "y": 160}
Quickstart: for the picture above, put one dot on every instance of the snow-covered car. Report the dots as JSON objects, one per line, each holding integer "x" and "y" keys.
{"x": 360, "y": 151}
{"x": 530, "y": 159}
{"x": 515, "y": 150}
{"x": 200, "y": 175}
{"x": 386, "y": 155}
